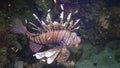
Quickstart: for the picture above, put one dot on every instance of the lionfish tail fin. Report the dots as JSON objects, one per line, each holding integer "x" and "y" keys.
{"x": 18, "y": 27}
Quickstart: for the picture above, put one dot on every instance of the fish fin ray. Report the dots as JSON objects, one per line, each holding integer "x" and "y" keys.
{"x": 34, "y": 46}
{"x": 18, "y": 27}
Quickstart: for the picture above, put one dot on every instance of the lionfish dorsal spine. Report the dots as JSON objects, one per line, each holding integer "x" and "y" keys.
{"x": 75, "y": 28}
{"x": 41, "y": 22}
{"x": 76, "y": 22}
{"x": 65, "y": 25}
{"x": 72, "y": 27}
{"x": 44, "y": 26}
{"x": 68, "y": 25}
{"x": 36, "y": 27}
{"x": 61, "y": 17}
{"x": 36, "y": 17}
{"x": 68, "y": 19}
{"x": 69, "y": 16}
{"x": 48, "y": 18}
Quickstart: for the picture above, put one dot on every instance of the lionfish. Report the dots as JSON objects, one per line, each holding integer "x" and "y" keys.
{"x": 61, "y": 34}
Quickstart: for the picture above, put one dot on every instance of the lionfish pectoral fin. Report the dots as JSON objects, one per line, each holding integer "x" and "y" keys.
{"x": 52, "y": 58}
{"x": 50, "y": 55}
{"x": 34, "y": 46}
{"x": 54, "y": 53}
{"x": 63, "y": 56}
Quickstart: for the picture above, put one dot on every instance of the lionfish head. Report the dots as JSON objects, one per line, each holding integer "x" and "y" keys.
{"x": 74, "y": 40}
{"x": 77, "y": 40}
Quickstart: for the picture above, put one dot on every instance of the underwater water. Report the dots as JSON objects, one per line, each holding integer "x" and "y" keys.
{"x": 99, "y": 33}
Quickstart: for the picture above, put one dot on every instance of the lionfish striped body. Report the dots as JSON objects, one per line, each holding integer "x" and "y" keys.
{"x": 62, "y": 37}
{"x": 61, "y": 34}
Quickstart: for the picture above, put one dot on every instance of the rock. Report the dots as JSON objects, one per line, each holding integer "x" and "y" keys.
{"x": 19, "y": 64}
{"x": 105, "y": 59}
